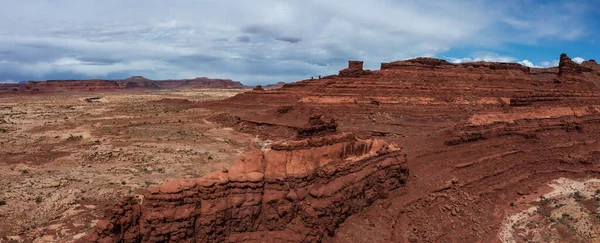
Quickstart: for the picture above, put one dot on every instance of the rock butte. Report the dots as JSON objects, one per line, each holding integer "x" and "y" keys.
{"x": 478, "y": 137}
{"x": 298, "y": 191}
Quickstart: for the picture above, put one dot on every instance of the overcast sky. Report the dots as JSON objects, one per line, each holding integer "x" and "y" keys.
{"x": 262, "y": 41}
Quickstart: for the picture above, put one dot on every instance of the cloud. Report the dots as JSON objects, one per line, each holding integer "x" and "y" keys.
{"x": 527, "y": 63}
{"x": 494, "y": 57}
{"x": 578, "y": 59}
{"x": 252, "y": 42}
{"x": 244, "y": 39}
{"x": 288, "y": 39}
{"x": 483, "y": 57}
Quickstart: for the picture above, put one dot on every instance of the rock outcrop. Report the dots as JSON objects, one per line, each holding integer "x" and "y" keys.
{"x": 566, "y": 66}
{"x": 298, "y": 191}
{"x": 317, "y": 127}
{"x": 591, "y": 64}
{"x": 275, "y": 85}
{"x": 258, "y": 88}
{"x": 355, "y": 69}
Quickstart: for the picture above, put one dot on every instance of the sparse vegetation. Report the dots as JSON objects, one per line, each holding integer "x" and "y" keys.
{"x": 74, "y": 138}
{"x": 38, "y": 200}
{"x": 2, "y": 202}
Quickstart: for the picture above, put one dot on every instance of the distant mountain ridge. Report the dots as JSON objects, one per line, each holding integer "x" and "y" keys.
{"x": 135, "y": 82}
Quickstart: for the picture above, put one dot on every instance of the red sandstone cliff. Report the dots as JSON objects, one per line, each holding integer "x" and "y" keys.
{"x": 298, "y": 191}
{"x": 481, "y": 139}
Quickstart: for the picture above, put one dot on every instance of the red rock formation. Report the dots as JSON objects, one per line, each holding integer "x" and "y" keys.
{"x": 591, "y": 64}
{"x": 421, "y": 61}
{"x": 479, "y": 136}
{"x": 568, "y": 67}
{"x": 258, "y": 88}
{"x": 275, "y": 86}
{"x": 298, "y": 191}
{"x": 317, "y": 127}
{"x": 355, "y": 69}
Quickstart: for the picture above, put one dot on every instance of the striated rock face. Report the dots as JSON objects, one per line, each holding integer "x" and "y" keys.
{"x": 591, "y": 64}
{"x": 275, "y": 85}
{"x": 428, "y": 63}
{"x": 316, "y": 126}
{"x": 480, "y": 137}
{"x": 567, "y": 66}
{"x": 421, "y": 61}
{"x": 299, "y": 191}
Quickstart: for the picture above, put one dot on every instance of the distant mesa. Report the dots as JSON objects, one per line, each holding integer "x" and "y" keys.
{"x": 258, "y": 88}
{"x": 275, "y": 85}
{"x": 134, "y": 82}
{"x": 137, "y": 78}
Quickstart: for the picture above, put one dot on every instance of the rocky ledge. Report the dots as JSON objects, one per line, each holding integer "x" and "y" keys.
{"x": 297, "y": 191}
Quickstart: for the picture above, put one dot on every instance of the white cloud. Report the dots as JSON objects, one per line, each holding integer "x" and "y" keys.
{"x": 553, "y": 63}
{"x": 527, "y": 63}
{"x": 494, "y": 57}
{"x": 483, "y": 57}
{"x": 578, "y": 59}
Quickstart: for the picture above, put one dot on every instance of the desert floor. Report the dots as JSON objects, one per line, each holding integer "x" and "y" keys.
{"x": 64, "y": 159}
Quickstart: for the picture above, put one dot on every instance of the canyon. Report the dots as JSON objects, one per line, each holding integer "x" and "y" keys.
{"x": 421, "y": 150}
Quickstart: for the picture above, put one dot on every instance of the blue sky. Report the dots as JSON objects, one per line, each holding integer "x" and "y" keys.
{"x": 266, "y": 41}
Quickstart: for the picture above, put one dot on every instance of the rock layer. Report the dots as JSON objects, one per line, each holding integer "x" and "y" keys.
{"x": 298, "y": 191}
{"x": 479, "y": 136}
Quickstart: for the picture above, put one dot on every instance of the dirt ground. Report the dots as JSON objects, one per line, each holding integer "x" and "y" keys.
{"x": 64, "y": 159}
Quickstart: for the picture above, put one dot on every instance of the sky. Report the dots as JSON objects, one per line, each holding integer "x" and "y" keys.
{"x": 267, "y": 41}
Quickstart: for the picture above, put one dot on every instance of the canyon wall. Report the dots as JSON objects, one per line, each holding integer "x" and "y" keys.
{"x": 479, "y": 138}
{"x": 297, "y": 191}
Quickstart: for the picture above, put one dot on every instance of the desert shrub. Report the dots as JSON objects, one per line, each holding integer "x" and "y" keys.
{"x": 73, "y": 138}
